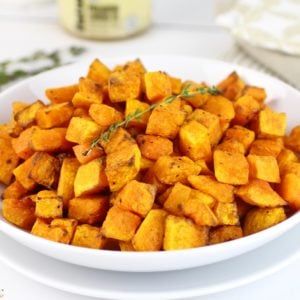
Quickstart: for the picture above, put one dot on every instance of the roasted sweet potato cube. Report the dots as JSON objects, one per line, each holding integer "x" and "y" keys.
{"x": 89, "y": 92}
{"x": 221, "y": 107}
{"x": 48, "y": 205}
{"x": 165, "y": 120}
{"x": 85, "y": 100}
{"x": 88, "y": 236}
{"x": 150, "y": 235}
{"x": 59, "y": 230}
{"x": 120, "y": 224}
{"x": 137, "y": 197}
{"x": 266, "y": 147}
{"x": 258, "y": 219}
{"x": 61, "y": 94}
{"x": 158, "y": 86}
{"x": 263, "y": 167}
{"x": 194, "y": 141}
{"x": 22, "y": 173}
{"x": 44, "y": 169}
{"x": 232, "y": 86}
{"x": 8, "y": 161}
{"x": 90, "y": 178}
{"x": 98, "y": 72}
{"x": 14, "y": 191}
{"x": 123, "y": 86}
{"x": 231, "y": 168}
{"x": 122, "y": 166}
{"x": 289, "y": 189}
{"x": 104, "y": 115}
{"x": 246, "y": 108}
{"x": 193, "y": 97}
{"x": 134, "y": 106}
{"x": 240, "y": 134}
{"x": 182, "y": 233}
{"x": 210, "y": 121}
{"x": 68, "y": 171}
{"x": 231, "y": 146}
{"x": 271, "y": 124}
{"x": 19, "y": 212}
{"x": 82, "y": 130}
{"x": 227, "y": 213}
{"x": 84, "y": 154}
{"x": 26, "y": 116}
{"x": 68, "y": 225}
{"x": 170, "y": 170}
{"x": 22, "y": 144}
{"x": 183, "y": 201}
{"x": 257, "y": 93}
{"x": 49, "y": 140}
{"x": 176, "y": 197}
{"x": 89, "y": 210}
{"x": 176, "y": 85}
{"x": 286, "y": 157}
{"x": 208, "y": 184}
{"x": 258, "y": 192}
{"x": 134, "y": 66}
{"x": 292, "y": 141}
{"x": 224, "y": 234}
{"x": 126, "y": 246}
{"x": 54, "y": 115}
{"x": 153, "y": 147}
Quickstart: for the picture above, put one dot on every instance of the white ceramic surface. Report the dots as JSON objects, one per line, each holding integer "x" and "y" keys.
{"x": 196, "y": 282}
{"x": 280, "y": 96}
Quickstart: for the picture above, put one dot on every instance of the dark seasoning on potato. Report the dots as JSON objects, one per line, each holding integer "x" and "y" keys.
{"x": 168, "y": 172}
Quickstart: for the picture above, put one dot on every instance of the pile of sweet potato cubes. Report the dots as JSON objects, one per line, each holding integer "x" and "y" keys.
{"x": 204, "y": 168}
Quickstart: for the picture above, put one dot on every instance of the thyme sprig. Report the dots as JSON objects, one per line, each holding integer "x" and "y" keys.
{"x": 136, "y": 115}
{"x": 40, "y": 61}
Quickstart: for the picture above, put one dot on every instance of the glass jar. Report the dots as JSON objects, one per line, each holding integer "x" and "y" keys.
{"x": 105, "y": 19}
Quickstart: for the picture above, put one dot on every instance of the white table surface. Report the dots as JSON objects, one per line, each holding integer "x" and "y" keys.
{"x": 19, "y": 37}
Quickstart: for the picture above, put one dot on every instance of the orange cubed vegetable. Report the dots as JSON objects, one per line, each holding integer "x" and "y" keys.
{"x": 264, "y": 167}
{"x": 89, "y": 209}
{"x": 222, "y": 192}
{"x": 153, "y": 147}
{"x": 259, "y": 193}
{"x": 123, "y": 86}
{"x": 182, "y": 233}
{"x": 120, "y": 224}
{"x": 48, "y": 205}
{"x": 61, "y": 94}
{"x": 231, "y": 168}
{"x": 150, "y": 235}
{"x": 137, "y": 197}
{"x": 104, "y": 115}
{"x": 8, "y": 161}
{"x": 158, "y": 86}
{"x": 88, "y": 236}
{"x": 19, "y": 212}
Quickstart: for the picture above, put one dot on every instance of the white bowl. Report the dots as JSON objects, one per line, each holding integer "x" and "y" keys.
{"x": 280, "y": 96}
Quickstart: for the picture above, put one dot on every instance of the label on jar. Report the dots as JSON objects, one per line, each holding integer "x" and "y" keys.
{"x": 105, "y": 18}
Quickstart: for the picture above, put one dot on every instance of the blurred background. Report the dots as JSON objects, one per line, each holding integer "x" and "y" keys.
{"x": 41, "y": 34}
